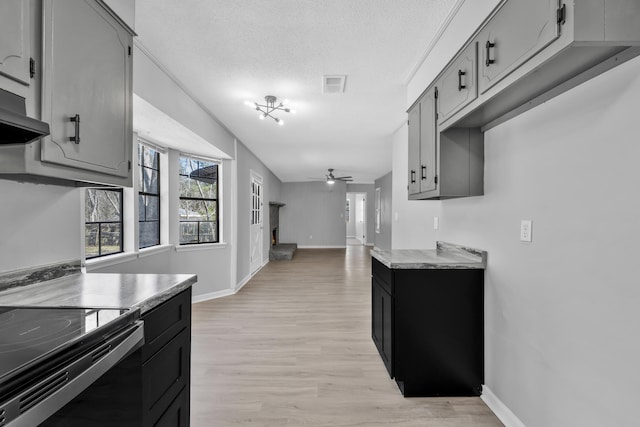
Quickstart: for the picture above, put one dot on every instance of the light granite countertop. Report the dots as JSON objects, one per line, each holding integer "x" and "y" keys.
{"x": 445, "y": 256}
{"x": 96, "y": 290}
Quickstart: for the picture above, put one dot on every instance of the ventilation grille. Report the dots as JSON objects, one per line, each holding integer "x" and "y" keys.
{"x": 100, "y": 353}
{"x": 333, "y": 84}
{"x": 43, "y": 391}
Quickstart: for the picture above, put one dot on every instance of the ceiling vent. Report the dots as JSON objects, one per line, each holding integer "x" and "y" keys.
{"x": 333, "y": 84}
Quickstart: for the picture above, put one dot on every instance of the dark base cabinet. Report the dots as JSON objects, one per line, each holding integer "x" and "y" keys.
{"x": 428, "y": 328}
{"x": 148, "y": 388}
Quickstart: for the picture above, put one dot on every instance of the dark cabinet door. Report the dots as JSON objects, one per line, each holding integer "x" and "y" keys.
{"x": 382, "y": 323}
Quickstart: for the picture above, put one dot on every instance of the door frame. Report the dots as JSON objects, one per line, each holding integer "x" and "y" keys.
{"x": 354, "y": 213}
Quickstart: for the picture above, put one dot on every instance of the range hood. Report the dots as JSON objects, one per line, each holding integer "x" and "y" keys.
{"x": 15, "y": 126}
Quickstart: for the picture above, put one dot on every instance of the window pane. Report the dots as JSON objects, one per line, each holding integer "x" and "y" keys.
{"x": 91, "y": 248}
{"x": 208, "y": 232}
{"x": 197, "y": 188}
{"x": 188, "y": 232}
{"x": 150, "y": 158}
{"x": 141, "y": 207}
{"x": 110, "y": 238}
{"x": 103, "y": 205}
{"x": 149, "y": 181}
{"x": 149, "y": 234}
{"x": 152, "y": 210}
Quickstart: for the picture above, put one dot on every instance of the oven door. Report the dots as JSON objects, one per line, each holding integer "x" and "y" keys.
{"x": 34, "y": 404}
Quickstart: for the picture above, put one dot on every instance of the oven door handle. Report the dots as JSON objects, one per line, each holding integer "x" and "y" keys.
{"x": 101, "y": 360}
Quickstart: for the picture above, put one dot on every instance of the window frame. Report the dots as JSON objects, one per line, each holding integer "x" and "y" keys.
{"x": 99, "y": 239}
{"x": 217, "y": 201}
{"x": 140, "y": 192}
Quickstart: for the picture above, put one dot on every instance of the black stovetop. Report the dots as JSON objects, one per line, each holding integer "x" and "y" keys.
{"x": 29, "y": 335}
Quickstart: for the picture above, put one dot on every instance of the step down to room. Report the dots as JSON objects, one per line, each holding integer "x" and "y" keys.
{"x": 282, "y": 251}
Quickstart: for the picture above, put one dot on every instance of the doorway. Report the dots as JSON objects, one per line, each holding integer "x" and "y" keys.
{"x": 257, "y": 220}
{"x": 356, "y": 219}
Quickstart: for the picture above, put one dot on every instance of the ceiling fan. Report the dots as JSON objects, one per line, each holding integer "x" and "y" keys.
{"x": 332, "y": 179}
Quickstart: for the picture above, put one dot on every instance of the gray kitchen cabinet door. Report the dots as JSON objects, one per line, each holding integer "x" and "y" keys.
{"x": 519, "y": 30}
{"x": 15, "y": 40}
{"x": 414, "y": 149}
{"x": 622, "y": 20}
{"x": 427, "y": 173}
{"x": 87, "y": 77}
{"x": 457, "y": 87}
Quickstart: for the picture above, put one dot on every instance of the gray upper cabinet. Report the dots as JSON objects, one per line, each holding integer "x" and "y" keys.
{"x": 15, "y": 40}
{"x": 87, "y": 88}
{"x": 428, "y": 163}
{"x": 422, "y": 144}
{"x": 414, "y": 149}
{"x": 519, "y": 30}
{"x": 458, "y": 85}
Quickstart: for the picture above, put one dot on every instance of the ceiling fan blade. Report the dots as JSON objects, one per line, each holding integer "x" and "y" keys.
{"x": 343, "y": 177}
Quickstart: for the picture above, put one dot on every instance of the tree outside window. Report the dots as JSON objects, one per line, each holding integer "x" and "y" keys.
{"x": 103, "y": 222}
{"x": 199, "y": 207}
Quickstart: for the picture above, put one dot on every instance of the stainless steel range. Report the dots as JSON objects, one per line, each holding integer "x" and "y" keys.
{"x": 49, "y": 355}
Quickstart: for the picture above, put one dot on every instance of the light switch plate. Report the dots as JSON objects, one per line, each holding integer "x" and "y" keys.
{"x": 436, "y": 222}
{"x": 525, "y": 230}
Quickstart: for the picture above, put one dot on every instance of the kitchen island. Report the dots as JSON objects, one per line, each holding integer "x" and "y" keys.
{"x": 427, "y": 315}
{"x": 150, "y": 386}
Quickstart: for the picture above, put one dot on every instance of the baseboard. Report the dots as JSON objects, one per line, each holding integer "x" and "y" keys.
{"x": 211, "y": 295}
{"x": 322, "y": 247}
{"x": 227, "y": 292}
{"x": 501, "y": 410}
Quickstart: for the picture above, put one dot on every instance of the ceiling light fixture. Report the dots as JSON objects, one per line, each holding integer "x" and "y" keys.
{"x": 271, "y": 105}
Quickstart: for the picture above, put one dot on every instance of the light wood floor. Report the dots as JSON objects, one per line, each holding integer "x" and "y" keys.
{"x": 293, "y": 348}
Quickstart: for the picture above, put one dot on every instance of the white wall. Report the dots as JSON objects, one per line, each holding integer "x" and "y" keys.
{"x": 41, "y": 224}
{"x": 314, "y": 214}
{"x": 561, "y": 313}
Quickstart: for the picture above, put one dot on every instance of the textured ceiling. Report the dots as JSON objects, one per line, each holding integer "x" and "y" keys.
{"x": 229, "y": 51}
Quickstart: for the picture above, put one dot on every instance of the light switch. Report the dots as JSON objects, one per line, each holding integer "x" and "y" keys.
{"x": 436, "y": 222}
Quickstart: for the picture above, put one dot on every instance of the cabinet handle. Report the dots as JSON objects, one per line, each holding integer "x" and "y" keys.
{"x": 488, "y": 47}
{"x": 413, "y": 176}
{"x": 76, "y": 137}
{"x": 424, "y": 172}
{"x": 460, "y": 85}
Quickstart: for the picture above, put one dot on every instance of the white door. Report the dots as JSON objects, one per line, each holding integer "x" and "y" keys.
{"x": 256, "y": 226}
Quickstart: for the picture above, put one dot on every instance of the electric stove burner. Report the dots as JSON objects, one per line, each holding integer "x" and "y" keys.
{"x": 29, "y": 334}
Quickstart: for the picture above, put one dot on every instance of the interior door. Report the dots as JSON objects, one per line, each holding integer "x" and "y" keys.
{"x": 256, "y": 227}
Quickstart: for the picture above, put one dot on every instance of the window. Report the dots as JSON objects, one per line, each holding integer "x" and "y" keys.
{"x": 103, "y": 222}
{"x": 148, "y": 197}
{"x": 199, "y": 206}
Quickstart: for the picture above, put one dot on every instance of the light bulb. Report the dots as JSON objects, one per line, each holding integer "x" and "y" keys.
{"x": 280, "y": 122}
{"x": 330, "y": 181}
{"x": 292, "y": 111}
{"x": 262, "y": 116}
{"x": 285, "y": 102}
{"x": 250, "y": 104}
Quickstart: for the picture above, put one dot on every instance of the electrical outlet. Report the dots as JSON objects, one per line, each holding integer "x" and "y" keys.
{"x": 436, "y": 222}
{"x": 525, "y": 230}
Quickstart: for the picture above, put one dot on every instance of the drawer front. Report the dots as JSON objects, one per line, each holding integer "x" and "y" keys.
{"x": 176, "y": 415}
{"x": 382, "y": 274}
{"x": 457, "y": 87}
{"x": 165, "y": 374}
{"x": 165, "y": 321}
